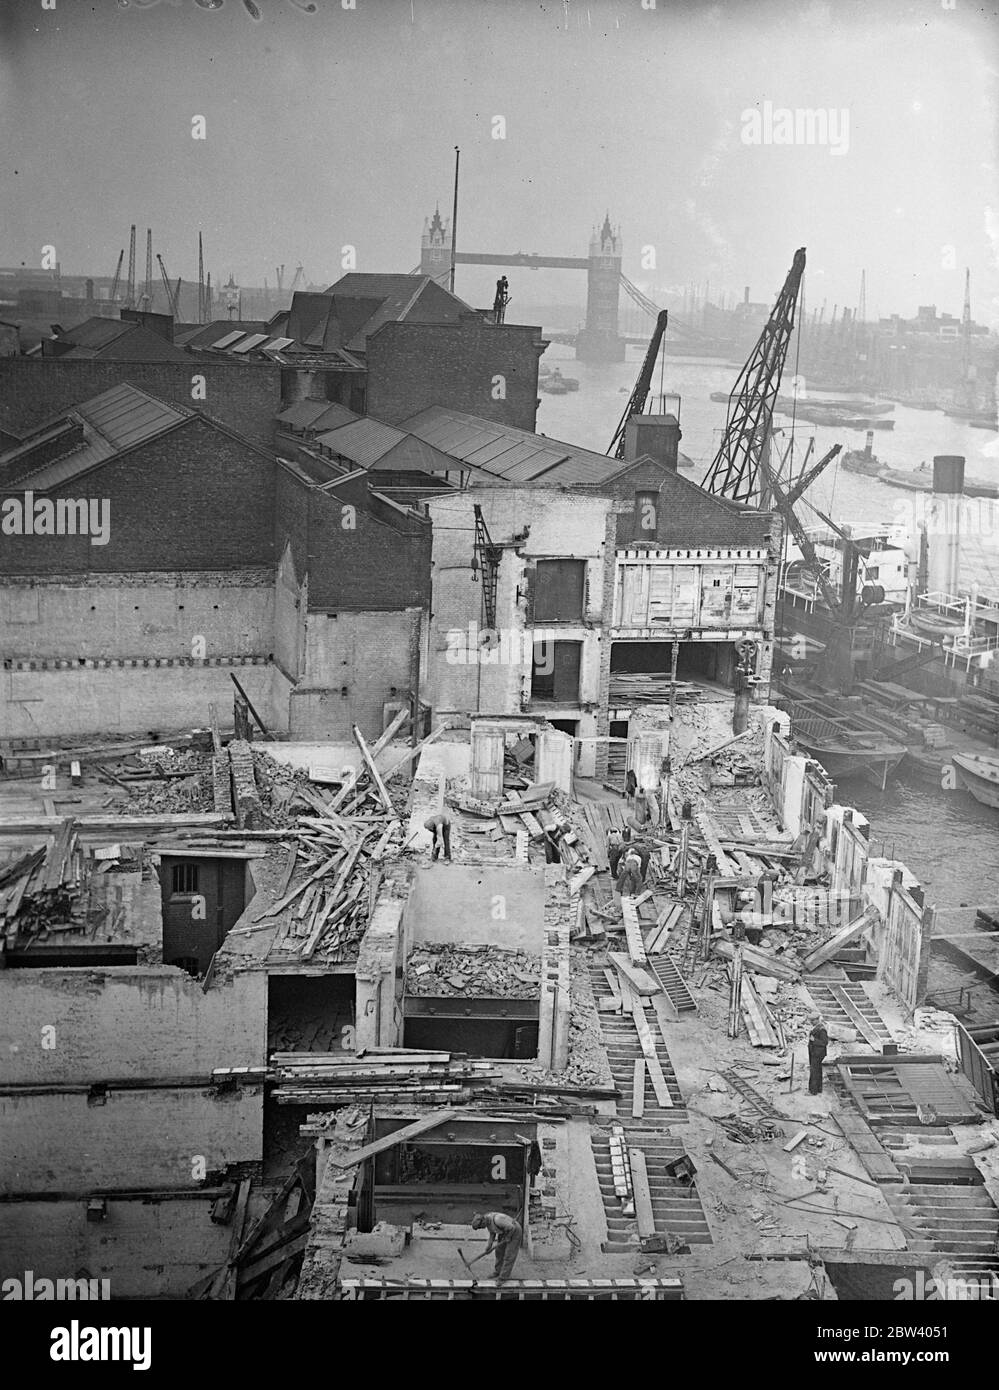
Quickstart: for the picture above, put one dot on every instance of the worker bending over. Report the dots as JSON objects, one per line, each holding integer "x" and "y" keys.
{"x": 629, "y": 878}
{"x": 505, "y": 1235}
{"x": 439, "y": 826}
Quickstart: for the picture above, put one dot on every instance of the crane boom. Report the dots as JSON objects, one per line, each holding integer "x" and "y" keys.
{"x": 812, "y": 561}
{"x": 640, "y": 394}
{"x": 117, "y": 275}
{"x": 736, "y": 466}
{"x": 166, "y": 283}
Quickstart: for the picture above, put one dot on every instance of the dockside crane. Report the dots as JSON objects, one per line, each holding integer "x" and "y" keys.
{"x": 640, "y": 394}
{"x": 171, "y": 294}
{"x": 130, "y": 286}
{"x": 117, "y": 276}
{"x": 735, "y": 471}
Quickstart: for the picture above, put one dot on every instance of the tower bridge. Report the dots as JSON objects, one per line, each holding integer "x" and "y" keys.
{"x": 600, "y": 338}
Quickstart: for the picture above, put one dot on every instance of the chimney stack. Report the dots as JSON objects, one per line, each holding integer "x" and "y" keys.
{"x": 943, "y": 524}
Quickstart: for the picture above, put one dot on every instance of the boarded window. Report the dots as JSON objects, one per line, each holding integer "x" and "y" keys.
{"x": 555, "y": 674}
{"x": 716, "y": 594}
{"x": 746, "y": 593}
{"x": 558, "y": 590}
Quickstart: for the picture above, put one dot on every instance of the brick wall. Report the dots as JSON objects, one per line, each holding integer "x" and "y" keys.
{"x": 412, "y": 366}
{"x": 355, "y": 560}
{"x": 366, "y": 654}
{"x": 193, "y": 499}
{"x": 685, "y": 515}
{"x": 243, "y": 395}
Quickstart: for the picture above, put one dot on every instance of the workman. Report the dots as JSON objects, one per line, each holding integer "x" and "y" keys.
{"x": 629, "y": 879}
{"x": 439, "y": 826}
{"x": 506, "y": 1235}
{"x": 615, "y": 848}
{"x": 644, "y": 851}
{"x": 818, "y": 1046}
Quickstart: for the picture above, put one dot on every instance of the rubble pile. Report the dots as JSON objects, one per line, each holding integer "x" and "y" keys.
{"x": 278, "y": 787}
{"x": 475, "y": 971}
{"x": 162, "y": 781}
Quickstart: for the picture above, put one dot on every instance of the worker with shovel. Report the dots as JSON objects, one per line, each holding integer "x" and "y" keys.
{"x": 505, "y": 1235}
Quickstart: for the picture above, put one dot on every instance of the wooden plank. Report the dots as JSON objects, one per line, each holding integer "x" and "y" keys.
{"x": 633, "y": 932}
{"x": 285, "y": 1251}
{"x": 401, "y": 718}
{"x": 668, "y": 920}
{"x": 760, "y": 961}
{"x": 842, "y": 938}
{"x": 663, "y": 1097}
{"x": 799, "y": 1138}
{"x": 399, "y": 1136}
{"x": 372, "y": 770}
{"x": 614, "y": 987}
{"x": 707, "y": 829}
{"x": 412, "y": 753}
{"x": 584, "y": 876}
{"x": 756, "y": 1018}
{"x": 638, "y": 1100}
{"x": 643, "y": 1195}
{"x": 640, "y": 980}
{"x": 858, "y": 1020}
{"x": 225, "y": 1288}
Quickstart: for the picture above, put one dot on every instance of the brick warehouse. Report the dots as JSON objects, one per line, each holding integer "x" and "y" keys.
{"x": 218, "y": 557}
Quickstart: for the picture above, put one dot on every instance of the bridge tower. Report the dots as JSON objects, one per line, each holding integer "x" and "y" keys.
{"x": 435, "y": 248}
{"x": 600, "y": 340}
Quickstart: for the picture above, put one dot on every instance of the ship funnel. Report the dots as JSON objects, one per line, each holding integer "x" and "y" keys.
{"x": 869, "y": 444}
{"x": 943, "y": 525}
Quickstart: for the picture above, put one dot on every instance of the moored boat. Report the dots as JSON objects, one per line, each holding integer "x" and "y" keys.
{"x": 978, "y": 773}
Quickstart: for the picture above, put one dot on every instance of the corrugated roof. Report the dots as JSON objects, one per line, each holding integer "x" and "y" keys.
{"x": 303, "y": 413}
{"x": 116, "y": 420}
{"x": 333, "y": 416}
{"x": 363, "y": 441}
{"x": 507, "y": 453}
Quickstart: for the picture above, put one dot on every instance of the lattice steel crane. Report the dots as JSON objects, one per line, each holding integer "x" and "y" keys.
{"x": 735, "y": 471}
{"x": 640, "y": 394}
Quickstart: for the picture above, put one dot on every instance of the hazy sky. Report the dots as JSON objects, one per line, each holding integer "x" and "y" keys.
{"x": 337, "y": 128}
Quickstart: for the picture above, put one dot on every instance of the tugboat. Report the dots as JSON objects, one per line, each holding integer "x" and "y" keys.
{"x": 557, "y": 384}
{"x": 863, "y": 460}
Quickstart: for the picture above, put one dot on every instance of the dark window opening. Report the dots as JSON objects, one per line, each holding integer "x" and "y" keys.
{"x": 555, "y": 672}
{"x": 185, "y": 878}
{"x": 479, "y": 1037}
{"x": 558, "y": 590}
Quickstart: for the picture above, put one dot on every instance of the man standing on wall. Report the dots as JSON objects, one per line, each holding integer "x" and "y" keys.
{"x": 506, "y": 1235}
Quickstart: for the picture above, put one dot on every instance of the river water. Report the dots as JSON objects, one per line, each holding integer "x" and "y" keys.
{"x": 948, "y": 840}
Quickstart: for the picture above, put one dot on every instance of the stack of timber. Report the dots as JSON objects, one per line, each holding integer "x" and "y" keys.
{"x": 44, "y": 891}
{"x": 265, "y": 1254}
{"x": 648, "y": 688}
{"x": 328, "y": 880}
{"x": 384, "y": 1076}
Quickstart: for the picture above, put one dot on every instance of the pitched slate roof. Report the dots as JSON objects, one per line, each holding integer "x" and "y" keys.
{"x": 112, "y": 422}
